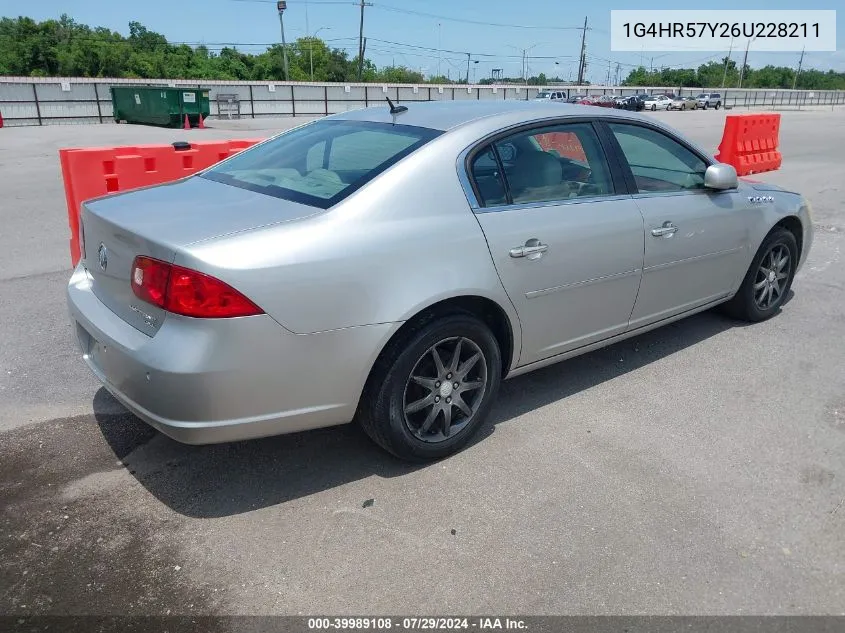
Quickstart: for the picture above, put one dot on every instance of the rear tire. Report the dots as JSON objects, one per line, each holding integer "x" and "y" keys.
{"x": 408, "y": 416}
{"x": 705, "y": 105}
{"x": 718, "y": 104}
{"x": 654, "y": 108}
{"x": 767, "y": 282}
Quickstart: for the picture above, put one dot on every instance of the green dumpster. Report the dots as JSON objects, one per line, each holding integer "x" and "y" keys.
{"x": 151, "y": 105}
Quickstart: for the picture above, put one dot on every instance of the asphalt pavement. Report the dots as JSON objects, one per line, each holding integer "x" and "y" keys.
{"x": 696, "y": 469}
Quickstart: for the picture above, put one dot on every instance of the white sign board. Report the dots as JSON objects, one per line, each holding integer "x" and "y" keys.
{"x": 65, "y": 86}
{"x": 440, "y": 90}
{"x": 495, "y": 89}
{"x": 137, "y": 99}
{"x": 189, "y": 97}
{"x": 384, "y": 89}
{"x": 416, "y": 89}
{"x": 347, "y": 89}
{"x": 271, "y": 87}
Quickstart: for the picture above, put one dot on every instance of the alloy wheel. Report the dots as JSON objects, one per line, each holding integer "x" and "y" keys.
{"x": 772, "y": 276}
{"x": 442, "y": 396}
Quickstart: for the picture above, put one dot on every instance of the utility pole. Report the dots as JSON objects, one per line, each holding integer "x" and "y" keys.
{"x": 281, "y": 5}
{"x": 583, "y": 61}
{"x": 727, "y": 61}
{"x": 798, "y": 74}
{"x": 361, "y": 43}
{"x": 744, "y": 61}
{"x": 524, "y": 78}
{"x": 439, "y": 46}
{"x": 618, "y": 67}
{"x": 468, "y": 58}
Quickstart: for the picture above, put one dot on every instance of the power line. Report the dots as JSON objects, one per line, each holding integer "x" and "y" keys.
{"x": 435, "y": 16}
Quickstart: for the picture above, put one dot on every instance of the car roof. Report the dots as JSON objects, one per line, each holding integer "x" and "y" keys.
{"x": 446, "y": 115}
{"x": 487, "y": 117}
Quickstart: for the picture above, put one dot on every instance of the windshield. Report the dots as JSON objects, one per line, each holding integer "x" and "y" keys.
{"x": 703, "y": 95}
{"x": 544, "y": 95}
{"x": 321, "y": 163}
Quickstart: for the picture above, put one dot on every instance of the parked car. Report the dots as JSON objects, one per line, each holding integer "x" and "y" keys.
{"x": 709, "y": 100}
{"x": 393, "y": 265}
{"x": 576, "y": 98}
{"x": 633, "y": 103}
{"x": 683, "y": 103}
{"x": 550, "y": 95}
{"x": 657, "y": 102}
{"x": 602, "y": 101}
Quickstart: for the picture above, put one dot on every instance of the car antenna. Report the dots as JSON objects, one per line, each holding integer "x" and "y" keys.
{"x": 395, "y": 109}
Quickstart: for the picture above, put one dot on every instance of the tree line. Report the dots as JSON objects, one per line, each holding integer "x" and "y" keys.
{"x": 726, "y": 73}
{"x": 66, "y": 48}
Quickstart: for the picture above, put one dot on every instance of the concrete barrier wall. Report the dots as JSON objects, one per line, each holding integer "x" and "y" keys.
{"x": 57, "y": 100}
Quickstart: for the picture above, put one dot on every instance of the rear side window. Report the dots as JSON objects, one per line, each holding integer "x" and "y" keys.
{"x": 321, "y": 163}
{"x": 549, "y": 164}
{"x": 488, "y": 178}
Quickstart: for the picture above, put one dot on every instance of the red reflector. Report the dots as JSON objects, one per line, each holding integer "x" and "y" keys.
{"x": 187, "y": 292}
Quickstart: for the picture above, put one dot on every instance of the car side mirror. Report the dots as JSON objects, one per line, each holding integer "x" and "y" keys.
{"x": 720, "y": 176}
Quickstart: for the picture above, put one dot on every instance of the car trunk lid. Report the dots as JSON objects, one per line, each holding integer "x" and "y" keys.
{"x": 157, "y": 222}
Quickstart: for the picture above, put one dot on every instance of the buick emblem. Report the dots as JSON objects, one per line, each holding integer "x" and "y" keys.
{"x": 103, "y": 256}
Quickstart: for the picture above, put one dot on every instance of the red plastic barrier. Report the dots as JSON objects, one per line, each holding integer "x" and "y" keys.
{"x": 565, "y": 143}
{"x": 750, "y": 143}
{"x": 97, "y": 171}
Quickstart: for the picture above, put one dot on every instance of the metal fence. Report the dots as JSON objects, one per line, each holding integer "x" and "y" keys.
{"x": 56, "y": 100}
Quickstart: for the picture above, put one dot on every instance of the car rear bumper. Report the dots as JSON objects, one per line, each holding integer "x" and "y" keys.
{"x": 204, "y": 381}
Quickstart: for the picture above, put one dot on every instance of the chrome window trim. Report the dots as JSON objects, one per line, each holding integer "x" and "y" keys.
{"x": 519, "y": 206}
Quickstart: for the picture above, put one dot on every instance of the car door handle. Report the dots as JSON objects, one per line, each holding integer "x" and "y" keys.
{"x": 531, "y": 250}
{"x": 667, "y": 230}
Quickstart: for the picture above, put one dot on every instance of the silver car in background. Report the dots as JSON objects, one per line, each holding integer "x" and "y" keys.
{"x": 683, "y": 103}
{"x": 393, "y": 265}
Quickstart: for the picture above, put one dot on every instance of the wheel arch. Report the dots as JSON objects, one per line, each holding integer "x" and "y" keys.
{"x": 792, "y": 224}
{"x": 484, "y": 308}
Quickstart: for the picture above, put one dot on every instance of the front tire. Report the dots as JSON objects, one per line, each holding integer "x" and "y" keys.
{"x": 768, "y": 280}
{"x": 654, "y": 108}
{"x": 432, "y": 390}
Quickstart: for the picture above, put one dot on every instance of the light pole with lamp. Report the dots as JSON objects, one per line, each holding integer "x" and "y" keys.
{"x": 281, "y": 5}
{"x": 311, "y": 48}
{"x": 744, "y": 61}
{"x": 525, "y": 52}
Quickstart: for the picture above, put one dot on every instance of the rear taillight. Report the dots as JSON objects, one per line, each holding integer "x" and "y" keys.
{"x": 187, "y": 292}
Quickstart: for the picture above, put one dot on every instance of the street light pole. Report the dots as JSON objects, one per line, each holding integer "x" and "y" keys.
{"x": 281, "y": 5}
{"x": 744, "y": 61}
{"x": 727, "y": 61}
{"x": 311, "y": 48}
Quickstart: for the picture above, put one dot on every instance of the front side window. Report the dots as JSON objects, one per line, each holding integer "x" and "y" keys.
{"x": 550, "y": 164}
{"x": 659, "y": 163}
{"x": 321, "y": 163}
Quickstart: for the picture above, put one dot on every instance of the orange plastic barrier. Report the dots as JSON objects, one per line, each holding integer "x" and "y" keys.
{"x": 750, "y": 143}
{"x": 97, "y": 171}
{"x": 565, "y": 143}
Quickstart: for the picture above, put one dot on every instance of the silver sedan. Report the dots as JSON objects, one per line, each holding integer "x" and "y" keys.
{"x": 392, "y": 266}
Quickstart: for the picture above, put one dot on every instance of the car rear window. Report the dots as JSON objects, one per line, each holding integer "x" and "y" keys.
{"x": 323, "y": 162}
